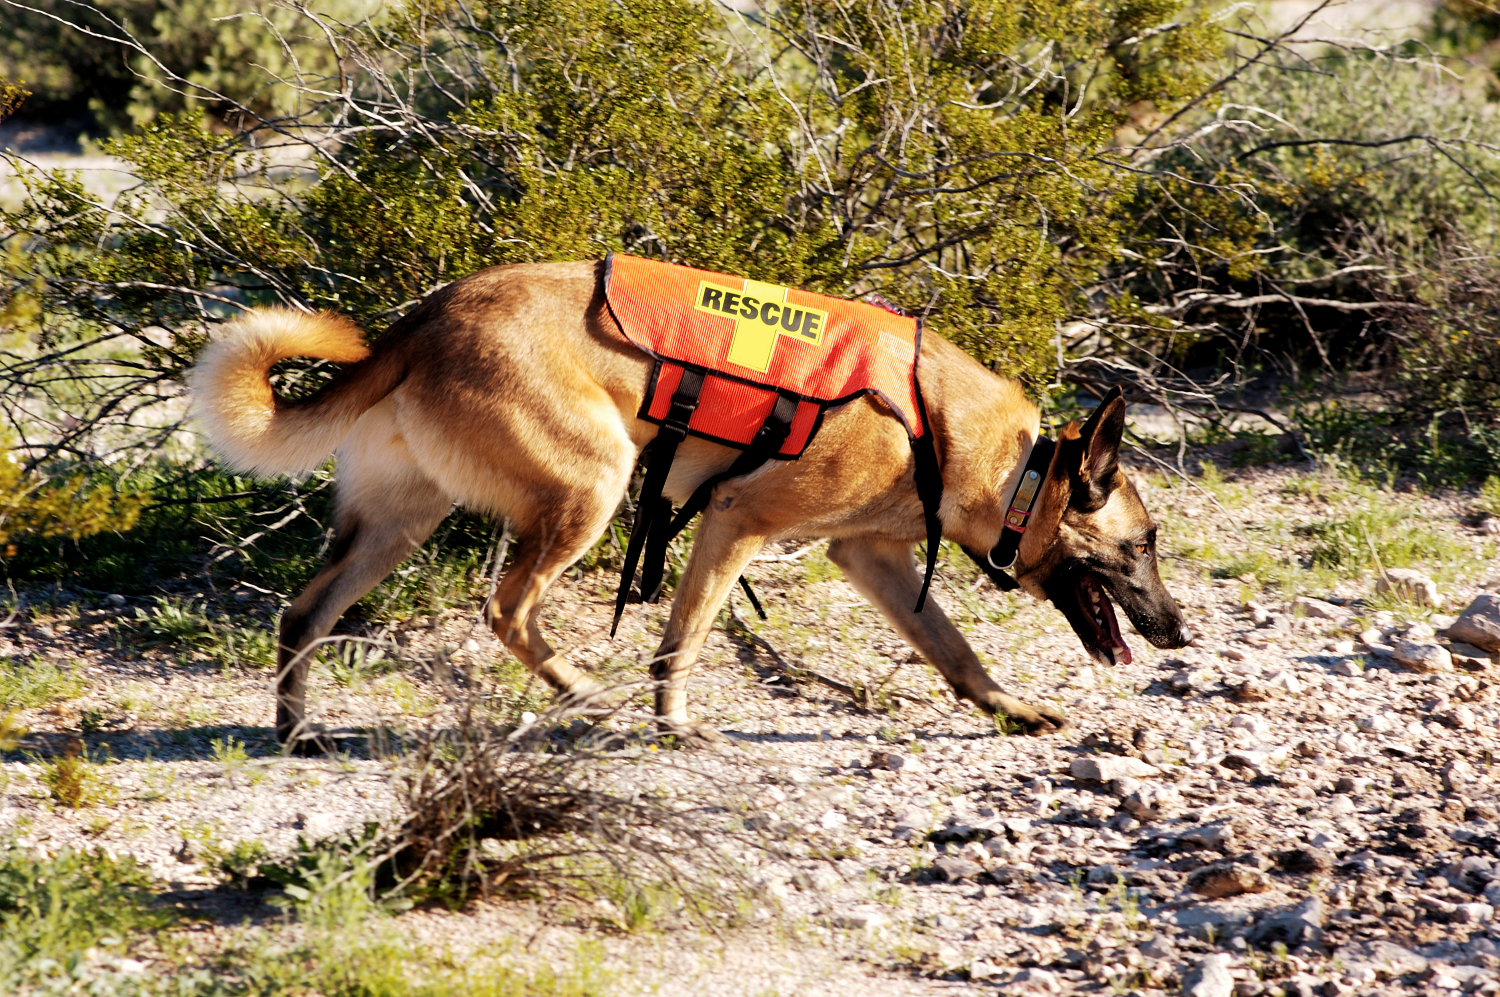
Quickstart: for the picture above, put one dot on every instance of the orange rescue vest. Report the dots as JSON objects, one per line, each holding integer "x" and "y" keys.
{"x": 755, "y": 366}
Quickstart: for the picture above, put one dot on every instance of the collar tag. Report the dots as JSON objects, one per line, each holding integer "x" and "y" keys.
{"x": 1003, "y": 555}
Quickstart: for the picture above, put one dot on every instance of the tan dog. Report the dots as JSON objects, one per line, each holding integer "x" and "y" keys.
{"x": 513, "y": 392}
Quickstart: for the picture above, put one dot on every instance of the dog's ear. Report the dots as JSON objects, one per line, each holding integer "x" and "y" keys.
{"x": 1096, "y": 462}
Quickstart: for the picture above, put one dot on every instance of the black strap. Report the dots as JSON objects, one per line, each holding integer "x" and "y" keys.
{"x": 750, "y": 594}
{"x": 648, "y": 508}
{"x": 763, "y": 446}
{"x": 1017, "y": 515}
{"x": 930, "y": 492}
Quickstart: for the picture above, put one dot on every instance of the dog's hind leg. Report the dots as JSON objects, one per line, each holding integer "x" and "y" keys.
{"x": 543, "y": 551}
{"x": 386, "y": 508}
{"x": 884, "y": 573}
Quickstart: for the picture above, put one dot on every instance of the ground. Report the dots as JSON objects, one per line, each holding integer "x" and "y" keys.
{"x": 1282, "y": 793}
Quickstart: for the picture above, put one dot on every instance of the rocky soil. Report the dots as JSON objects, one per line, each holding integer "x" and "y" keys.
{"x": 1302, "y": 802}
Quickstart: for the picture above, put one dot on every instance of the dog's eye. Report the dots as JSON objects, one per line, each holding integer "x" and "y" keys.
{"x": 1140, "y": 548}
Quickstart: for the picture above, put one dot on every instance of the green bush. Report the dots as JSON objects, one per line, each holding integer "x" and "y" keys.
{"x": 221, "y": 57}
{"x": 53, "y": 910}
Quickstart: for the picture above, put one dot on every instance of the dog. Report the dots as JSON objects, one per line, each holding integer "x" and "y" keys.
{"x": 514, "y": 393}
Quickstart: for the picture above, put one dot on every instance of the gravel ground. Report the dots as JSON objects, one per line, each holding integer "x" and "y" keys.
{"x": 1301, "y": 802}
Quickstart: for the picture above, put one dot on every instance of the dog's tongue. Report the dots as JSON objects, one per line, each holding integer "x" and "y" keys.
{"x": 1118, "y": 647}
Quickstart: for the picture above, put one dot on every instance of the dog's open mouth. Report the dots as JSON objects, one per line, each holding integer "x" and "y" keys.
{"x": 1100, "y": 616}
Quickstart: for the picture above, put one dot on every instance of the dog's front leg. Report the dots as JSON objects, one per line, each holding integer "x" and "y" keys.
{"x": 721, "y": 550}
{"x": 884, "y": 573}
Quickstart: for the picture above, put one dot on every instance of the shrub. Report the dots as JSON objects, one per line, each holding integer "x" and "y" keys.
{"x": 53, "y": 910}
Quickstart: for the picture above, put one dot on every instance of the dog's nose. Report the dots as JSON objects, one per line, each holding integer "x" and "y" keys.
{"x": 1184, "y": 636}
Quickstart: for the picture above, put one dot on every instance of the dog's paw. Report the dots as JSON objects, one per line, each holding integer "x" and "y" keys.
{"x": 693, "y": 734}
{"x": 1015, "y": 717}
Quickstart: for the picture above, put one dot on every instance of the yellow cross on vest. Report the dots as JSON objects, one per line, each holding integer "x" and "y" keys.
{"x": 761, "y": 314}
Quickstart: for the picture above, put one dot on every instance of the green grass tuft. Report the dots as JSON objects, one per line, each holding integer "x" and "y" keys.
{"x": 26, "y": 685}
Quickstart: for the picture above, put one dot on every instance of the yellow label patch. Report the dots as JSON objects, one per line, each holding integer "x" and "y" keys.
{"x": 761, "y": 315}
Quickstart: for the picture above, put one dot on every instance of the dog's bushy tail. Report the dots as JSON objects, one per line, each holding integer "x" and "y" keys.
{"x": 260, "y": 433}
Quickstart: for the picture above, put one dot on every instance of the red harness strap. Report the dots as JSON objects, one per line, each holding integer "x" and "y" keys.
{"x": 755, "y": 366}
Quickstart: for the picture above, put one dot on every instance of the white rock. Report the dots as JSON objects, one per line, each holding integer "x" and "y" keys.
{"x": 980, "y": 969}
{"x": 1348, "y": 667}
{"x": 1479, "y": 624}
{"x": 1420, "y": 657}
{"x": 1474, "y": 913}
{"x": 1257, "y": 725}
{"x": 1210, "y": 978}
{"x": 832, "y": 819}
{"x": 1376, "y": 724}
{"x": 1107, "y": 768}
{"x": 1285, "y": 681}
{"x": 1036, "y": 981}
{"x": 1317, "y": 609}
{"x": 1348, "y": 744}
{"x": 1420, "y": 631}
{"x": 1342, "y": 647}
{"x": 1409, "y": 584}
{"x": 1457, "y": 775}
{"x": 862, "y": 920}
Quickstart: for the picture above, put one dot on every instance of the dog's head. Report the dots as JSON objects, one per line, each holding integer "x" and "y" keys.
{"x": 1091, "y": 541}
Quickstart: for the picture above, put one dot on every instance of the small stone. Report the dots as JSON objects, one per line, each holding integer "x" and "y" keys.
{"x": 1421, "y": 657}
{"x": 1470, "y": 658}
{"x": 1232, "y": 654}
{"x": 956, "y": 869}
{"x": 1377, "y": 723}
{"x": 1210, "y": 978}
{"x": 1286, "y": 682}
{"x": 1479, "y": 623}
{"x": 1107, "y": 768}
{"x": 981, "y": 969}
{"x": 1258, "y": 726}
{"x": 1317, "y": 609}
{"x": 1346, "y": 743}
{"x": 1473, "y": 913}
{"x": 115, "y": 599}
{"x": 1036, "y": 981}
{"x": 832, "y": 819}
{"x": 1420, "y": 631}
{"x": 1348, "y": 667}
{"x": 1124, "y": 786}
{"x": 1102, "y": 874}
{"x": 1458, "y": 718}
{"x": 1409, "y": 584}
{"x": 1490, "y": 527}
{"x": 895, "y": 761}
{"x": 1150, "y": 802}
{"x": 1441, "y": 621}
{"x": 1385, "y": 958}
{"x": 471, "y": 646}
{"x": 1227, "y": 880}
{"x": 1252, "y": 691}
{"x": 1302, "y": 923}
{"x": 1259, "y": 758}
{"x": 1457, "y": 775}
{"x": 862, "y": 920}
{"x": 1218, "y": 836}
{"x": 1305, "y": 861}
{"x": 1341, "y": 647}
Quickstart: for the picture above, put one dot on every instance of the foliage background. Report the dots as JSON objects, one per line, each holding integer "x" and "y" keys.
{"x": 1153, "y": 193}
